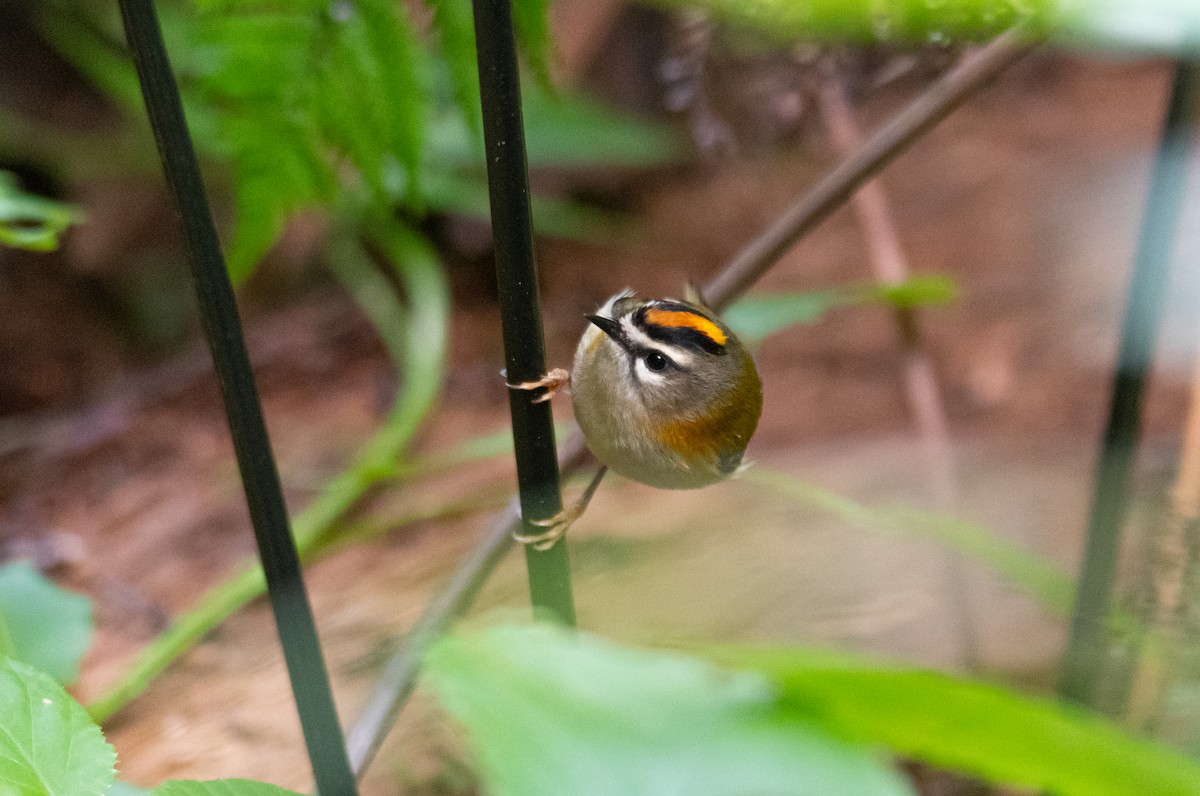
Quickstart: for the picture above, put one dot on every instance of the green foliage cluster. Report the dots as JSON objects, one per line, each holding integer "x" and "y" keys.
{"x": 346, "y": 107}
{"x": 1165, "y": 26}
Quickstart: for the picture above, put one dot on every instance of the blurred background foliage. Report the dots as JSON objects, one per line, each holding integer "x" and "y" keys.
{"x": 343, "y": 106}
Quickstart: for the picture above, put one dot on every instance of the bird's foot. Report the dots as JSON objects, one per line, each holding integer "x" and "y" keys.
{"x": 556, "y": 381}
{"x": 556, "y": 528}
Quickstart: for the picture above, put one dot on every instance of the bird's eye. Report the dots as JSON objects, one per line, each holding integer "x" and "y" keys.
{"x": 656, "y": 361}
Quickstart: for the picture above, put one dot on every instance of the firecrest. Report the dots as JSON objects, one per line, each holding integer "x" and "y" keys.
{"x": 664, "y": 392}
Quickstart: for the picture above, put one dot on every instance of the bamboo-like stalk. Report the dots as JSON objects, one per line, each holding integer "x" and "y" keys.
{"x": 1087, "y": 644}
{"x": 260, "y": 478}
{"x": 521, "y": 319}
{"x": 389, "y": 695}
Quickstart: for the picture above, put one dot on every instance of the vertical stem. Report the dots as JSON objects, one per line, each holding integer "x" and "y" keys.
{"x": 1087, "y": 643}
{"x": 222, "y": 326}
{"x": 516, "y": 276}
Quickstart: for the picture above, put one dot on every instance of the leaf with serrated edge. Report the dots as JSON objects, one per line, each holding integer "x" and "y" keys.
{"x": 48, "y": 745}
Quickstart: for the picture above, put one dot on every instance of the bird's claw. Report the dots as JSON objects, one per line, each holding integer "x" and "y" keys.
{"x": 555, "y": 382}
{"x": 556, "y": 527}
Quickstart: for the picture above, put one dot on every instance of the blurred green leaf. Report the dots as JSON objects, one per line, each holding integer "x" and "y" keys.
{"x": 31, "y": 222}
{"x": 48, "y": 745}
{"x": 917, "y": 291}
{"x": 895, "y": 22}
{"x": 1164, "y": 26}
{"x": 1034, "y": 574}
{"x": 465, "y": 194}
{"x": 760, "y": 315}
{"x": 42, "y": 625}
{"x": 125, "y": 789}
{"x": 220, "y": 787}
{"x": 572, "y": 131}
{"x": 531, "y": 23}
{"x": 551, "y": 712}
{"x": 563, "y": 131}
{"x": 455, "y": 28}
{"x": 980, "y": 729}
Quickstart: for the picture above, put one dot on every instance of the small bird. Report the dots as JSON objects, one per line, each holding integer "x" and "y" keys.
{"x": 664, "y": 393}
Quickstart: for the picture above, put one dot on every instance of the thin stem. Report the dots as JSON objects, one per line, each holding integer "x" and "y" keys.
{"x": 516, "y": 277}
{"x": 753, "y": 261}
{"x": 1087, "y": 644}
{"x": 260, "y": 478}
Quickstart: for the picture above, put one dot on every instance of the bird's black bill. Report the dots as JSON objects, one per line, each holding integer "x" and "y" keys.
{"x": 611, "y": 328}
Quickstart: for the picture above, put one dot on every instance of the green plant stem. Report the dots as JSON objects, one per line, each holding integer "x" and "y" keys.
{"x": 422, "y": 363}
{"x": 260, "y": 478}
{"x": 521, "y": 320}
{"x": 247, "y": 584}
{"x": 1086, "y": 647}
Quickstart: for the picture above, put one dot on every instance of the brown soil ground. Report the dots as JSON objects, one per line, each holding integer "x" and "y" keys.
{"x": 1029, "y": 197}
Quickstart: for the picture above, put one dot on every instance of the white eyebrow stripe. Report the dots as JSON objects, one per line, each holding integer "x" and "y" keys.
{"x": 680, "y": 356}
{"x": 636, "y": 335}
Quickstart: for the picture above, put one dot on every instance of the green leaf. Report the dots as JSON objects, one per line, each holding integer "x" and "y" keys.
{"x": 551, "y": 712}
{"x": 48, "y": 745}
{"x": 402, "y": 100}
{"x": 760, "y": 315}
{"x": 973, "y": 727}
{"x": 917, "y": 291}
{"x": 220, "y": 787}
{"x": 31, "y": 222}
{"x": 571, "y": 130}
{"x": 41, "y": 624}
{"x": 466, "y": 194}
{"x": 531, "y": 23}
{"x": 562, "y": 131}
{"x": 897, "y": 22}
{"x": 1164, "y": 26}
{"x": 456, "y": 32}
{"x": 125, "y": 789}
{"x": 278, "y": 172}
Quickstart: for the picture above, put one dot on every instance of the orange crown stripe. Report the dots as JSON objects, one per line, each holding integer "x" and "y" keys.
{"x": 688, "y": 320}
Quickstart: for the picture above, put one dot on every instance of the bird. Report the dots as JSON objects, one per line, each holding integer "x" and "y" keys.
{"x": 664, "y": 392}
